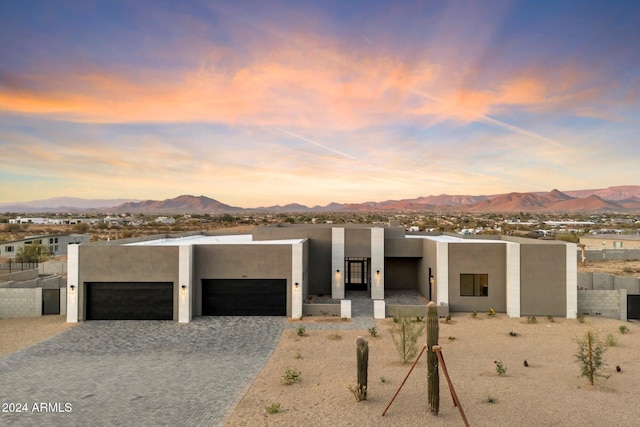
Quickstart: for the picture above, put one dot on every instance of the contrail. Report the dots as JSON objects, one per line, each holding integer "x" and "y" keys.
{"x": 333, "y": 150}
{"x": 365, "y": 39}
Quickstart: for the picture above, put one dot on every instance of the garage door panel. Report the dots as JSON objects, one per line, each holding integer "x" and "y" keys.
{"x": 244, "y": 297}
{"x": 129, "y": 301}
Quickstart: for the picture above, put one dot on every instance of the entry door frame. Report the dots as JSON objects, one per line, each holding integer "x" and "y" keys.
{"x": 357, "y": 274}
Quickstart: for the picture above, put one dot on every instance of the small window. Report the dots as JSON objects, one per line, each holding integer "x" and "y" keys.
{"x": 8, "y": 249}
{"x": 50, "y": 240}
{"x": 617, "y": 245}
{"x": 474, "y": 285}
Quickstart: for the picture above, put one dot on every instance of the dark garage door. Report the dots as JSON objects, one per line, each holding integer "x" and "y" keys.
{"x": 129, "y": 301}
{"x": 244, "y": 297}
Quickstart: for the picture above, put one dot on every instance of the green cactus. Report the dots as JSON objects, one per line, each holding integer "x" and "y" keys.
{"x": 432, "y": 358}
{"x": 362, "y": 352}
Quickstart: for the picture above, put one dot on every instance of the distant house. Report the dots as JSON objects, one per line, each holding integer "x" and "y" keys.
{"x": 56, "y": 243}
{"x": 276, "y": 268}
{"x": 165, "y": 220}
{"x": 594, "y": 242}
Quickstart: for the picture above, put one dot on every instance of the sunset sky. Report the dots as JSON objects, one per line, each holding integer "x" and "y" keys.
{"x": 257, "y": 103}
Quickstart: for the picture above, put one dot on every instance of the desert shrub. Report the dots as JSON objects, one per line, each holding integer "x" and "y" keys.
{"x": 513, "y": 333}
{"x": 335, "y": 336}
{"x": 274, "y": 408}
{"x": 452, "y": 338}
{"x": 611, "y": 341}
{"x": 623, "y": 329}
{"x": 491, "y": 312}
{"x": 291, "y": 376}
{"x": 383, "y": 380}
{"x": 590, "y": 356}
{"x": 447, "y": 319}
{"x": 580, "y": 317}
{"x": 373, "y": 332}
{"x": 298, "y": 355}
{"x": 474, "y": 313}
{"x": 501, "y": 370}
{"x": 405, "y": 336}
{"x": 532, "y": 319}
{"x": 550, "y": 318}
{"x": 301, "y": 330}
{"x": 491, "y": 399}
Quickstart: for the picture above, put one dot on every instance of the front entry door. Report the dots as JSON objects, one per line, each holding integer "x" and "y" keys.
{"x": 357, "y": 274}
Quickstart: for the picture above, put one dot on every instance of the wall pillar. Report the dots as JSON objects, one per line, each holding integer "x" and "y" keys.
{"x": 572, "y": 281}
{"x": 337, "y": 263}
{"x": 73, "y": 273}
{"x": 185, "y": 283}
{"x": 513, "y": 279}
{"x": 442, "y": 273}
{"x": 297, "y": 275}
{"x": 377, "y": 263}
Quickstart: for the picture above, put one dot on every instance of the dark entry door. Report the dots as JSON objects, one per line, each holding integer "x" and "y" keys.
{"x": 51, "y": 301}
{"x": 129, "y": 301}
{"x": 244, "y": 297}
{"x": 357, "y": 278}
{"x": 633, "y": 306}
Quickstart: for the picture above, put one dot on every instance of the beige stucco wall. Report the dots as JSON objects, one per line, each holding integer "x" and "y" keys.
{"x": 478, "y": 258}
{"x": 357, "y": 243}
{"x": 127, "y": 264}
{"x": 543, "y": 279}
{"x": 395, "y": 247}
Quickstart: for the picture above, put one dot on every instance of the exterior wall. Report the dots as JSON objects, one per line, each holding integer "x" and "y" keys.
{"x": 378, "y": 272}
{"x": 63, "y": 241}
{"x": 630, "y": 283}
{"x": 337, "y": 263}
{"x": 357, "y": 243}
{"x": 478, "y": 258}
{"x": 401, "y": 273}
{"x": 543, "y": 277}
{"x": 52, "y": 267}
{"x": 611, "y": 304}
{"x": 617, "y": 254}
{"x": 127, "y": 264}
{"x": 321, "y": 274}
{"x": 619, "y": 241}
{"x": 20, "y": 302}
{"x": 20, "y": 276}
{"x": 241, "y": 262}
{"x": 428, "y": 260}
{"x": 402, "y": 247}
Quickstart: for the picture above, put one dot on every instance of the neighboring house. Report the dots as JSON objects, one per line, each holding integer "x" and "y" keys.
{"x": 57, "y": 243}
{"x": 273, "y": 270}
{"x": 165, "y": 220}
{"x": 610, "y": 241}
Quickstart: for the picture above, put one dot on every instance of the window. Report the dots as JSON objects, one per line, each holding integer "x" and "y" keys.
{"x": 474, "y": 285}
{"x": 617, "y": 245}
{"x": 8, "y": 248}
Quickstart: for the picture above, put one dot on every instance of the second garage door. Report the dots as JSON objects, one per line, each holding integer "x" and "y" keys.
{"x": 129, "y": 301}
{"x": 244, "y": 297}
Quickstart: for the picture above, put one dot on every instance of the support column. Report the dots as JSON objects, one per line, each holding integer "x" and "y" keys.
{"x": 442, "y": 273}
{"x": 185, "y": 283}
{"x": 73, "y": 274}
{"x": 297, "y": 275}
{"x": 337, "y": 263}
{"x": 572, "y": 281}
{"x": 513, "y": 279}
{"x": 377, "y": 263}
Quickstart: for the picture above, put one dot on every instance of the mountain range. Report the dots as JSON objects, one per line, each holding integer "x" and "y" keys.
{"x": 612, "y": 199}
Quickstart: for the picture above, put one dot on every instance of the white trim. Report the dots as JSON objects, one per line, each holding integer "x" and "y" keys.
{"x": 377, "y": 263}
{"x": 442, "y": 273}
{"x": 513, "y": 279}
{"x": 337, "y": 263}
{"x": 185, "y": 274}
{"x": 297, "y": 269}
{"x": 73, "y": 272}
{"x": 572, "y": 281}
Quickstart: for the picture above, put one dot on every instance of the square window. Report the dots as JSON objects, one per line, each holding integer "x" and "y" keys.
{"x": 474, "y": 285}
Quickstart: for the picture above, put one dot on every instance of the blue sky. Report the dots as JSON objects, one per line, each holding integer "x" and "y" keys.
{"x": 258, "y": 103}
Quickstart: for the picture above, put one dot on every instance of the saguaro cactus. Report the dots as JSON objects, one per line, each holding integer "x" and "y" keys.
{"x": 362, "y": 352}
{"x": 432, "y": 358}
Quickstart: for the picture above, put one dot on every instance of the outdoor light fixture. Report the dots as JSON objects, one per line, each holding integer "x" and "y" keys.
{"x": 377, "y": 272}
{"x": 184, "y": 289}
{"x": 338, "y": 271}
{"x": 297, "y": 285}
{"x": 73, "y": 288}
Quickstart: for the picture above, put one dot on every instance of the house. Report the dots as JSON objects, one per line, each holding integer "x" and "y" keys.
{"x": 596, "y": 242}
{"x": 273, "y": 270}
{"x": 56, "y": 243}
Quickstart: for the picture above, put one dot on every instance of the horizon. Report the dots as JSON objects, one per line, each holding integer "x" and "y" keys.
{"x": 271, "y": 104}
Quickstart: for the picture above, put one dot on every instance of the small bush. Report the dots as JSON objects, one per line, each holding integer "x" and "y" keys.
{"x": 301, "y": 330}
{"x": 623, "y": 329}
{"x": 550, "y": 319}
{"x": 447, "y": 319}
{"x": 324, "y": 313}
{"x": 405, "y": 337}
{"x": 611, "y": 341}
{"x": 383, "y": 380}
{"x": 501, "y": 370}
{"x": 452, "y": 338}
{"x": 491, "y": 399}
{"x": 335, "y": 336}
{"x": 298, "y": 355}
{"x": 532, "y": 319}
{"x": 491, "y": 312}
{"x": 274, "y": 408}
{"x": 474, "y": 313}
{"x": 513, "y": 334}
{"x": 373, "y": 332}
{"x": 590, "y": 356}
{"x": 580, "y": 317}
{"x": 291, "y": 376}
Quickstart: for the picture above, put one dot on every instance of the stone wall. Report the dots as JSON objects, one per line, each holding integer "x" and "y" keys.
{"x": 20, "y": 302}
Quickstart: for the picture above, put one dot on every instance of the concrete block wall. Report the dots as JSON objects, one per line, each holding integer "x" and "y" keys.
{"x": 63, "y": 300}
{"x": 53, "y": 267}
{"x": 585, "y": 280}
{"x": 630, "y": 283}
{"x": 606, "y": 303}
{"x": 603, "y": 281}
{"x": 608, "y": 282}
{"x": 19, "y": 276}
{"x": 20, "y": 302}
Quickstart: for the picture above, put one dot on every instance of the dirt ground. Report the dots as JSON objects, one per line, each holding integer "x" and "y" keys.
{"x": 617, "y": 267}
{"x": 19, "y": 333}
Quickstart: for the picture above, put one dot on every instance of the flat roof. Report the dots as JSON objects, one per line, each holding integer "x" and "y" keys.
{"x": 231, "y": 239}
{"x": 453, "y": 239}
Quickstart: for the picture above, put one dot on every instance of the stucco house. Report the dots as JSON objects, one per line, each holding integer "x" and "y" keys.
{"x": 57, "y": 244}
{"x": 274, "y": 269}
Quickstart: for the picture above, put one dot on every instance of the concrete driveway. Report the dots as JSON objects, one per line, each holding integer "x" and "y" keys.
{"x": 139, "y": 373}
